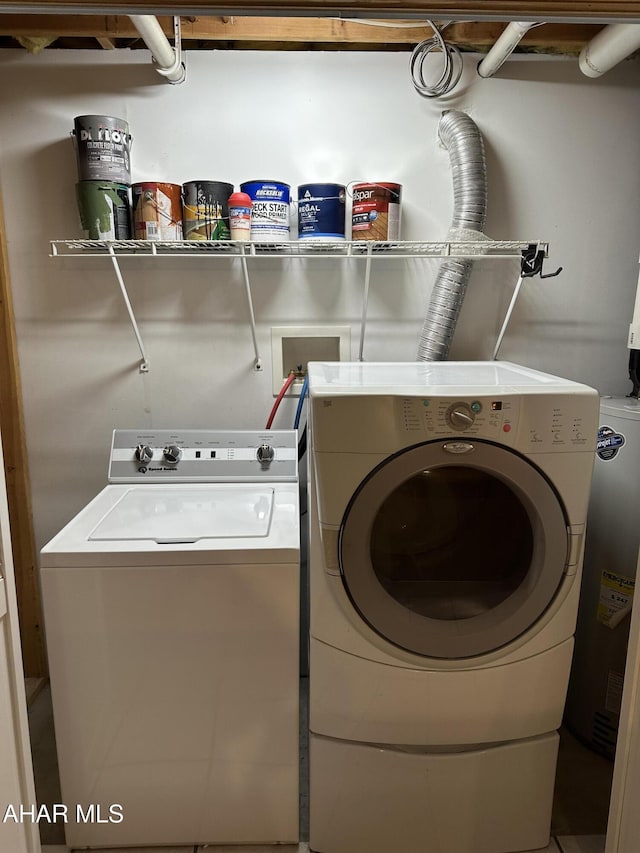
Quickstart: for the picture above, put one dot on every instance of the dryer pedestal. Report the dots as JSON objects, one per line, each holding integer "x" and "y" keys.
{"x": 373, "y": 799}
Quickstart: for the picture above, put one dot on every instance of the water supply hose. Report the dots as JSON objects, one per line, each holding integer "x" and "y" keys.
{"x": 461, "y": 137}
{"x": 287, "y": 382}
{"x": 303, "y": 394}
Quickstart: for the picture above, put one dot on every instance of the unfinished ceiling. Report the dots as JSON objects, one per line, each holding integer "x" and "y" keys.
{"x": 36, "y": 32}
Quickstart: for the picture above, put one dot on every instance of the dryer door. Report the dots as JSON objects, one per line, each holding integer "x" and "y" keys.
{"x": 452, "y": 549}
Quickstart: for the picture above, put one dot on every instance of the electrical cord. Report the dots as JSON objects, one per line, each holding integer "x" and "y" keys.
{"x": 452, "y": 58}
{"x": 387, "y": 25}
{"x": 303, "y": 394}
{"x": 302, "y": 444}
{"x": 283, "y": 391}
{"x": 451, "y": 65}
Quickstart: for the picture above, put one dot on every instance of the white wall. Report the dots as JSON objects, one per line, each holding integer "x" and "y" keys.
{"x": 562, "y": 154}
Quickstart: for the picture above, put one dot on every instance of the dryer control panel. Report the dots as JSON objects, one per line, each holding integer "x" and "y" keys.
{"x": 533, "y": 423}
{"x": 478, "y": 416}
{"x": 203, "y": 456}
{"x": 527, "y": 422}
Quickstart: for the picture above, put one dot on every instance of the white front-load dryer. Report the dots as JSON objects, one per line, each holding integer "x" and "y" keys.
{"x": 447, "y": 517}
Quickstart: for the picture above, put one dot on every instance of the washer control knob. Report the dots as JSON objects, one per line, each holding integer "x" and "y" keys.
{"x": 265, "y": 454}
{"x": 172, "y": 453}
{"x": 461, "y": 416}
{"x": 143, "y": 453}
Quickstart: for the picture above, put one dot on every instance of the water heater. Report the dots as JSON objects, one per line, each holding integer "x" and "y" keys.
{"x": 611, "y": 553}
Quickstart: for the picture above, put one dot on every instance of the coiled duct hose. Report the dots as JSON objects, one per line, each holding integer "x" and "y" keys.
{"x": 461, "y": 137}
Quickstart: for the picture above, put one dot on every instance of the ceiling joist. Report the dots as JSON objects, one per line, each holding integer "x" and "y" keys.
{"x": 108, "y": 29}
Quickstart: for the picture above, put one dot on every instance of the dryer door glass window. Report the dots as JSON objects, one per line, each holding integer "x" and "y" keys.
{"x": 454, "y": 557}
{"x": 451, "y": 543}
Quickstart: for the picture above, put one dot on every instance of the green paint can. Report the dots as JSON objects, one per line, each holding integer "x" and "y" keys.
{"x": 105, "y": 210}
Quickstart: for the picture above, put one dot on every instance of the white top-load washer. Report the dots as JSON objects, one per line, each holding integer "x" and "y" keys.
{"x": 171, "y": 608}
{"x": 447, "y": 516}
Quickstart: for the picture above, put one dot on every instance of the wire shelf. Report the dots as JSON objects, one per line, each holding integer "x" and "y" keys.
{"x": 297, "y": 248}
{"x": 528, "y": 252}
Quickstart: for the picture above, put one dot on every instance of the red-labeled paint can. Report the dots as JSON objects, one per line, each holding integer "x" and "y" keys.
{"x": 376, "y": 211}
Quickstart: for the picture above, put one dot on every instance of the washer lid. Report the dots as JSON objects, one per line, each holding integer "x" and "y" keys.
{"x": 187, "y": 515}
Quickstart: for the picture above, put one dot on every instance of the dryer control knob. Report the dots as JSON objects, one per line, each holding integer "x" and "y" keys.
{"x": 172, "y": 453}
{"x": 461, "y": 416}
{"x": 143, "y": 453}
{"x": 265, "y": 454}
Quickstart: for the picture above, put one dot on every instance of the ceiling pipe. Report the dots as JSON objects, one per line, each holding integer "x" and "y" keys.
{"x": 168, "y": 60}
{"x": 609, "y": 47}
{"x": 504, "y": 47}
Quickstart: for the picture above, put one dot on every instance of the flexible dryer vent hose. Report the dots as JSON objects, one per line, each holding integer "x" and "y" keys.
{"x": 461, "y": 137}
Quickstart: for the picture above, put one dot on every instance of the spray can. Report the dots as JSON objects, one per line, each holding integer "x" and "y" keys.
{"x": 240, "y": 205}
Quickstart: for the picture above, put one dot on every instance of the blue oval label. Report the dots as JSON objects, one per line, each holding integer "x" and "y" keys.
{"x": 609, "y": 443}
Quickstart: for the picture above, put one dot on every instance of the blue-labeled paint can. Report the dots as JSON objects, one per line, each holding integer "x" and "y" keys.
{"x": 321, "y": 211}
{"x": 270, "y": 210}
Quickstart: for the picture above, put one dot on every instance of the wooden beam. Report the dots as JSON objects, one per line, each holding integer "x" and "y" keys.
{"x": 499, "y": 10}
{"x": 16, "y": 470}
{"x": 217, "y": 29}
{"x": 549, "y": 38}
{"x": 105, "y": 43}
{"x": 556, "y": 38}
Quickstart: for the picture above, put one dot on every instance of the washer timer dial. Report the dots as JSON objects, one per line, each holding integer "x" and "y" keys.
{"x": 143, "y": 453}
{"x": 265, "y": 454}
{"x": 172, "y": 454}
{"x": 460, "y": 416}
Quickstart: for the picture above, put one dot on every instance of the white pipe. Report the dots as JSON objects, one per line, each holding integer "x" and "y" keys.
{"x": 609, "y": 47}
{"x": 167, "y": 59}
{"x": 634, "y": 329}
{"x": 504, "y": 47}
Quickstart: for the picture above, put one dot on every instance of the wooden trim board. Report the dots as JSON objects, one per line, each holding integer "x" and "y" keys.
{"x": 17, "y": 474}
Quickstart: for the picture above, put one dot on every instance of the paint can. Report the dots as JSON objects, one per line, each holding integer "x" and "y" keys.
{"x": 205, "y": 210}
{"x": 321, "y": 211}
{"x": 105, "y": 210}
{"x": 375, "y": 213}
{"x": 103, "y": 149}
{"x": 270, "y": 211}
{"x": 157, "y": 211}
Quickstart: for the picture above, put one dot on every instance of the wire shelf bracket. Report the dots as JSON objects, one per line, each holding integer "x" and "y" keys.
{"x": 530, "y": 253}
{"x": 144, "y": 364}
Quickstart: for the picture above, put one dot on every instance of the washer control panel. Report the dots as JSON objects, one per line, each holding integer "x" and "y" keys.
{"x": 203, "y": 456}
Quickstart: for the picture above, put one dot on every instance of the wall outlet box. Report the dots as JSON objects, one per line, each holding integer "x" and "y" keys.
{"x": 293, "y": 347}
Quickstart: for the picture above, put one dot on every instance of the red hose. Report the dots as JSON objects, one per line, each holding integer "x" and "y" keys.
{"x": 283, "y": 391}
